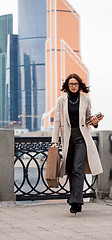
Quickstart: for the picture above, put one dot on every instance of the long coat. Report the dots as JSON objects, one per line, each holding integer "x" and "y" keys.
{"x": 62, "y": 125}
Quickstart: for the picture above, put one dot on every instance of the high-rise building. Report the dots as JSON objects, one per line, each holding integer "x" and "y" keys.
{"x": 2, "y": 88}
{"x": 6, "y": 27}
{"x": 31, "y": 75}
{"x": 12, "y": 79}
{"x": 34, "y": 63}
{"x": 63, "y": 55}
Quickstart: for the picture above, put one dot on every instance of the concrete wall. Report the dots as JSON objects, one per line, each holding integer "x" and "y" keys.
{"x": 35, "y": 134}
{"x": 104, "y": 182}
{"x": 7, "y": 165}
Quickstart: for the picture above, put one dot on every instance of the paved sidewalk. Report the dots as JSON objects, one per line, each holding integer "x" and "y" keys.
{"x": 53, "y": 221}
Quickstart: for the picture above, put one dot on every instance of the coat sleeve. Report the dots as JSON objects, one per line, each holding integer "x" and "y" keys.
{"x": 88, "y": 112}
{"x": 57, "y": 123}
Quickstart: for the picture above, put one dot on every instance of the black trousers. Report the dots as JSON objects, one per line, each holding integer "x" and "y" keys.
{"x": 75, "y": 165}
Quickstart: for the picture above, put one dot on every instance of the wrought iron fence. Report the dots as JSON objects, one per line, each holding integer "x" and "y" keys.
{"x": 30, "y": 168}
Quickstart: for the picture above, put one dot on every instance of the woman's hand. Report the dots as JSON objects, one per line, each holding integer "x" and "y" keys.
{"x": 54, "y": 145}
{"x": 94, "y": 120}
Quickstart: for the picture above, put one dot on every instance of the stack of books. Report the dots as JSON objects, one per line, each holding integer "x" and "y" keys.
{"x": 98, "y": 115}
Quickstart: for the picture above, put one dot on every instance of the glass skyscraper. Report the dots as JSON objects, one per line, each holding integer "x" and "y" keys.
{"x": 63, "y": 55}
{"x": 12, "y": 79}
{"x": 2, "y": 88}
{"x": 31, "y": 70}
{"x": 6, "y": 27}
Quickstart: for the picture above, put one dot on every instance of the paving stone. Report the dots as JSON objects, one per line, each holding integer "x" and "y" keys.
{"x": 53, "y": 220}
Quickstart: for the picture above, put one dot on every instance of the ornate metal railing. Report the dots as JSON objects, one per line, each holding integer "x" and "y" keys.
{"x": 30, "y": 169}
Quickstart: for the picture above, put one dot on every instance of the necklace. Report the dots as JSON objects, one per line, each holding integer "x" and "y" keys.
{"x": 73, "y": 102}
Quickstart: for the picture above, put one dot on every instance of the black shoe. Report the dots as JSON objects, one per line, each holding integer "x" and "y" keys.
{"x": 79, "y": 207}
{"x": 75, "y": 207}
{"x": 73, "y": 210}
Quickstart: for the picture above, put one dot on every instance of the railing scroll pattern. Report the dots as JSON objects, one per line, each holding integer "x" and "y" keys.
{"x": 30, "y": 168}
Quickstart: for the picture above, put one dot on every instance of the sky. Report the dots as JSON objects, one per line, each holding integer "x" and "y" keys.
{"x": 96, "y": 53}
{"x": 95, "y": 49}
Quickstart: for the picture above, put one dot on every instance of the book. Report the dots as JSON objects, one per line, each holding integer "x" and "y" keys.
{"x": 99, "y": 115}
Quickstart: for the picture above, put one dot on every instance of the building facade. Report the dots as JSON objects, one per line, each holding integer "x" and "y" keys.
{"x": 2, "y": 88}
{"x": 34, "y": 63}
{"x": 12, "y": 79}
{"x": 63, "y": 55}
{"x": 6, "y": 27}
{"x": 31, "y": 68}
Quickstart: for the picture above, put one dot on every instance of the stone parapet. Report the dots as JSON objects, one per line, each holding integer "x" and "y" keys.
{"x": 7, "y": 165}
{"x": 104, "y": 181}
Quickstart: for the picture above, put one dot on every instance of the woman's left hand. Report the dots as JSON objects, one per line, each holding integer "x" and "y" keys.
{"x": 94, "y": 120}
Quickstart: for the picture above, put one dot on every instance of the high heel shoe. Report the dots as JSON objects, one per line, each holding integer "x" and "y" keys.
{"x": 79, "y": 207}
{"x": 76, "y": 207}
{"x": 72, "y": 210}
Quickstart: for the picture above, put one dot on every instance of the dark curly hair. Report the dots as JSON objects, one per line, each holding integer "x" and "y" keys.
{"x": 82, "y": 85}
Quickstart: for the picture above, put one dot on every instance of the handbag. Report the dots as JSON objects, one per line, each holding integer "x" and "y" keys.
{"x": 98, "y": 115}
{"x": 53, "y": 167}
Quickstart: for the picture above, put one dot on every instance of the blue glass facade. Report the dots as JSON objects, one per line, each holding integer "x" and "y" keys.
{"x": 6, "y": 27}
{"x": 2, "y": 88}
{"x": 12, "y": 79}
{"x": 31, "y": 71}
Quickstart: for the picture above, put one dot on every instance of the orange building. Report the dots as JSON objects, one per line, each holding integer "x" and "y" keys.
{"x": 62, "y": 52}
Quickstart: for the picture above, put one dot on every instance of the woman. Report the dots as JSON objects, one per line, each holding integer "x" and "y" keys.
{"x": 79, "y": 151}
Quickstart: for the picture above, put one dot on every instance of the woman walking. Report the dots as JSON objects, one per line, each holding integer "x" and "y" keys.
{"x": 79, "y": 151}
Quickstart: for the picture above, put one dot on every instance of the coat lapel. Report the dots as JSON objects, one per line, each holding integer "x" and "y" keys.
{"x": 65, "y": 98}
{"x": 81, "y": 107}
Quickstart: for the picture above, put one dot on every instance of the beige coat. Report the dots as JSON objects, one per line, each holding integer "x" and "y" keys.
{"x": 62, "y": 125}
